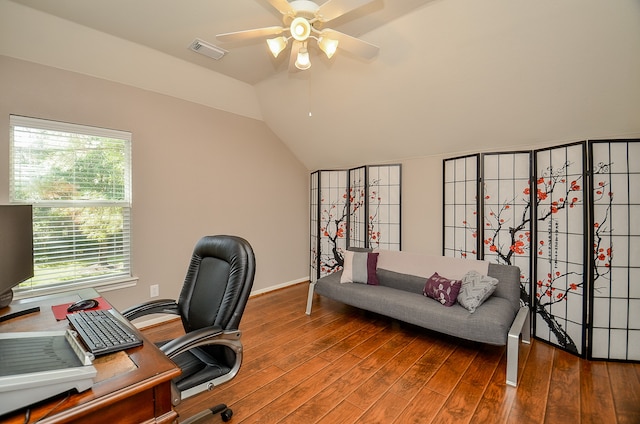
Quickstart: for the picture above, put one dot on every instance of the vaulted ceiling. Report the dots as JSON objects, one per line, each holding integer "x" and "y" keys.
{"x": 452, "y": 76}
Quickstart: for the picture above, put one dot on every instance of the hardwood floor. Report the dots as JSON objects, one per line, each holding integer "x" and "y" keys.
{"x": 343, "y": 365}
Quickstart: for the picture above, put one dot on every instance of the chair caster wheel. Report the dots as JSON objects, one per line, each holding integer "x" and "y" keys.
{"x": 226, "y": 415}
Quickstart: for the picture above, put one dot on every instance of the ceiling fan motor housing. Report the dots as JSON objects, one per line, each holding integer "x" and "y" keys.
{"x": 304, "y": 8}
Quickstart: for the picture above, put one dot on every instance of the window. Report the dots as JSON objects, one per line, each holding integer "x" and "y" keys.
{"x": 78, "y": 180}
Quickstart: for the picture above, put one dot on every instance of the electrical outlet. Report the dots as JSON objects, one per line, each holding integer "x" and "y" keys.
{"x": 154, "y": 290}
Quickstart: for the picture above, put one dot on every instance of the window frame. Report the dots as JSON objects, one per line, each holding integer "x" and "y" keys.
{"x": 104, "y": 282}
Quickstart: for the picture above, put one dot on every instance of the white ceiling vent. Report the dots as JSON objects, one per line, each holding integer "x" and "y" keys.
{"x": 207, "y": 49}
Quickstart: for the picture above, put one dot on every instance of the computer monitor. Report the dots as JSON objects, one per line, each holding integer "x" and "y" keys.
{"x": 16, "y": 248}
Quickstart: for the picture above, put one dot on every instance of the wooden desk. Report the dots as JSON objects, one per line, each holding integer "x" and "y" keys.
{"x": 130, "y": 387}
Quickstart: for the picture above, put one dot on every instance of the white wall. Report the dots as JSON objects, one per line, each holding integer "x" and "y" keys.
{"x": 422, "y": 205}
{"x": 196, "y": 171}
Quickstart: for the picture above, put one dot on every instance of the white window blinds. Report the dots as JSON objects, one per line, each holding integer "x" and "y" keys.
{"x": 78, "y": 180}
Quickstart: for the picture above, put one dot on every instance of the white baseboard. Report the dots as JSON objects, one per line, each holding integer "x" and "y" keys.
{"x": 279, "y": 286}
{"x": 149, "y": 322}
{"x": 159, "y": 319}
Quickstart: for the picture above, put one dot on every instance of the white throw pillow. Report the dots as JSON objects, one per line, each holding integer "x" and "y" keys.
{"x": 360, "y": 267}
{"x": 476, "y": 288}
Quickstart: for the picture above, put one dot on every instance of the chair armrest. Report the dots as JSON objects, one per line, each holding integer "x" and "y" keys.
{"x": 207, "y": 336}
{"x": 159, "y": 306}
{"x": 203, "y": 336}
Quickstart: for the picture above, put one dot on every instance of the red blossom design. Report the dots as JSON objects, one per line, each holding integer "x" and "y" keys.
{"x": 518, "y": 247}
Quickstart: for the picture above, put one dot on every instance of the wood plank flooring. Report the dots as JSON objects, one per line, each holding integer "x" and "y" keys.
{"x": 343, "y": 365}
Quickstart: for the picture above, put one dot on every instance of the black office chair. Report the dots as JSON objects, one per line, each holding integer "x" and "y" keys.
{"x": 211, "y": 303}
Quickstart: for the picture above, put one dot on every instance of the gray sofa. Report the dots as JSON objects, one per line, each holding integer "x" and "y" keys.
{"x": 500, "y": 320}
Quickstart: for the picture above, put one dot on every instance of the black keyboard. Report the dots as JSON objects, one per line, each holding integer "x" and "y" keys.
{"x": 102, "y": 332}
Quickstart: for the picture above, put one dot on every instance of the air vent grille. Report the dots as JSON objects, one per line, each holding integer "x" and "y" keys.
{"x": 207, "y": 49}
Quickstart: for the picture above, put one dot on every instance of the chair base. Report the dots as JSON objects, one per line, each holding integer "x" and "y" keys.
{"x": 221, "y": 409}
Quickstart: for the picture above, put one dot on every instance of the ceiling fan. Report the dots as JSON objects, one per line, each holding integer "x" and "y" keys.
{"x": 304, "y": 20}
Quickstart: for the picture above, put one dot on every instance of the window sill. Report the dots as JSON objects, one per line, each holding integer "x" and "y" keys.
{"x": 102, "y": 286}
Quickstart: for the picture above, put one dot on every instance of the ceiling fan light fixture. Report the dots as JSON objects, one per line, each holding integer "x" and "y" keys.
{"x": 328, "y": 46}
{"x": 276, "y": 45}
{"x": 302, "y": 20}
{"x": 300, "y": 29}
{"x": 302, "y": 61}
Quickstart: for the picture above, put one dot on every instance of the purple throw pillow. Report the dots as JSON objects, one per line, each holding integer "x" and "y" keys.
{"x": 442, "y": 289}
{"x": 372, "y": 266}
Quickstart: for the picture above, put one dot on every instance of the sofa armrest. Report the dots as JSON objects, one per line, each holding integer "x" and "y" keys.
{"x": 521, "y": 326}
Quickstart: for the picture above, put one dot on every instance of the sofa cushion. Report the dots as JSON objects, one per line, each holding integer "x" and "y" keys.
{"x": 359, "y": 267}
{"x": 442, "y": 289}
{"x": 489, "y": 324}
{"x": 476, "y": 288}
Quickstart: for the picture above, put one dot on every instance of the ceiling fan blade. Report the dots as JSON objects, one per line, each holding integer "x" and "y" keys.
{"x": 250, "y": 34}
{"x": 352, "y": 44}
{"x": 335, "y": 8}
{"x": 295, "y": 46}
{"x": 282, "y": 6}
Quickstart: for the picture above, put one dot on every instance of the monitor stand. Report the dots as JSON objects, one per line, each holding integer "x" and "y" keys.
{"x": 6, "y": 298}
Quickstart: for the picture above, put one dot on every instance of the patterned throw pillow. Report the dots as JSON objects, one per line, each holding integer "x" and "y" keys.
{"x": 360, "y": 267}
{"x": 476, "y": 288}
{"x": 442, "y": 289}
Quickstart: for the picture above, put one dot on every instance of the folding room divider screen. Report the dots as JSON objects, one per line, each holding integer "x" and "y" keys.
{"x": 359, "y": 207}
{"x": 614, "y": 329}
{"x": 560, "y": 258}
{"x": 490, "y": 221}
{"x": 461, "y": 205}
{"x": 578, "y": 244}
